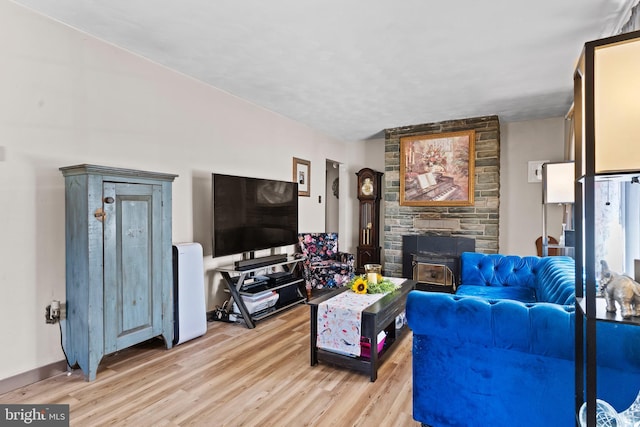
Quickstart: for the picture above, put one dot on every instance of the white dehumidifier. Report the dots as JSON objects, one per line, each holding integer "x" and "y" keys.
{"x": 189, "y": 308}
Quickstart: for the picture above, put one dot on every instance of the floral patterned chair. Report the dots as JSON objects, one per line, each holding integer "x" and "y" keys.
{"x": 324, "y": 266}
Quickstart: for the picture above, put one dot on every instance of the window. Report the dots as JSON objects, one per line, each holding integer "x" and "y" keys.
{"x": 617, "y": 220}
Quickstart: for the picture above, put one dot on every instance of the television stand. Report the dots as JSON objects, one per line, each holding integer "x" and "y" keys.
{"x": 288, "y": 289}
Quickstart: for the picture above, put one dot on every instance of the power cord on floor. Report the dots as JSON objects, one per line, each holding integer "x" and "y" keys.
{"x": 66, "y": 358}
{"x": 221, "y": 314}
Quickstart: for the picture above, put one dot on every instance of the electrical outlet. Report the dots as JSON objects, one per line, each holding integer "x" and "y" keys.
{"x": 47, "y": 315}
{"x": 55, "y": 309}
{"x": 53, "y": 312}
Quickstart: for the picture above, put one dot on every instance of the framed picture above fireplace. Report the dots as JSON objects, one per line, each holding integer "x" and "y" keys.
{"x": 437, "y": 169}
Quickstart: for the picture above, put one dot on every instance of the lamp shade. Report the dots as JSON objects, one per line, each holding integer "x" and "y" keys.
{"x": 558, "y": 182}
{"x": 617, "y": 106}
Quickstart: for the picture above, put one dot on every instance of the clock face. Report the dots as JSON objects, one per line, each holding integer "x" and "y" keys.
{"x": 367, "y": 187}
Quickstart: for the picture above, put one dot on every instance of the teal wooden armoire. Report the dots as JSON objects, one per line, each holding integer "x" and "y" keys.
{"x": 119, "y": 273}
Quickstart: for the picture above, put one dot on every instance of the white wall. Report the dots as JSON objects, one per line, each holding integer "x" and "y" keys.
{"x": 520, "y": 201}
{"x": 68, "y": 98}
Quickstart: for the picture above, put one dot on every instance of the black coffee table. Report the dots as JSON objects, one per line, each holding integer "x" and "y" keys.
{"x": 380, "y": 316}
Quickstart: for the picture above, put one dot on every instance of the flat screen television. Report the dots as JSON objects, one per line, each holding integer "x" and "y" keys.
{"x": 250, "y": 214}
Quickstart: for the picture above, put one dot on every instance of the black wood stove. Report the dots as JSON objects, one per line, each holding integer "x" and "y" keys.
{"x": 434, "y": 261}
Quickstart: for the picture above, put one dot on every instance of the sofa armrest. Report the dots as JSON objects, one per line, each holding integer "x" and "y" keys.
{"x": 555, "y": 280}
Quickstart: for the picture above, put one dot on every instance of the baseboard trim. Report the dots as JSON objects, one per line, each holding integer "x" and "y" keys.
{"x": 32, "y": 376}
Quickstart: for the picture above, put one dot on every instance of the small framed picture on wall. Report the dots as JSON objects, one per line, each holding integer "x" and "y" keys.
{"x": 302, "y": 175}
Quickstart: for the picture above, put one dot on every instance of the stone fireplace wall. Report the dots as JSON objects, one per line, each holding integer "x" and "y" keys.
{"x": 480, "y": 221}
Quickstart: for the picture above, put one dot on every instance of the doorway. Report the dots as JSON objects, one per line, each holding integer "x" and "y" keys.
{"x": 332, "y": 197}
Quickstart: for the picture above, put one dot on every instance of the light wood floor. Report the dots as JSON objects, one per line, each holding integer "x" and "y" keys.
{"x": 232, "y": 376}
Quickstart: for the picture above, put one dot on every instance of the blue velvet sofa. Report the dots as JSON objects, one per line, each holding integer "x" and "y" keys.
{"x": 500, "y": 352}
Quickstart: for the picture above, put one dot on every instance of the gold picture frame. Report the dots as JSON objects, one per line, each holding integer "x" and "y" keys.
{"x": 302, "y": 175}
{"x": 437, "y": 169}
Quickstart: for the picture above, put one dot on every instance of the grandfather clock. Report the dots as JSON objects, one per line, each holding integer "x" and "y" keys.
{"x": 369, "y": 188}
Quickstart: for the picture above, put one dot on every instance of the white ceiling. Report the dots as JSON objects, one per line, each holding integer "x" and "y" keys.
{"x": 350, "y": 68}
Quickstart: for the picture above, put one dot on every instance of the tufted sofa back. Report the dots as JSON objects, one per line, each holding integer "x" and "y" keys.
{"x": 537, "y": 328}
{"x": 498, "y": 270}
{"x": 548, "y": 279}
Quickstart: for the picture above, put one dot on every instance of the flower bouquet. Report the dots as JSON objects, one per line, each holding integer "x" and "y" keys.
{"x": 360, "y": 285}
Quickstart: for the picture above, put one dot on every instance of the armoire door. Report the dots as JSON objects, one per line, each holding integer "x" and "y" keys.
{"x": 132, "y": 263}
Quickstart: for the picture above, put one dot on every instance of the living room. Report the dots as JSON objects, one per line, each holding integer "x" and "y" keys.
{"x": 75, "y": 99}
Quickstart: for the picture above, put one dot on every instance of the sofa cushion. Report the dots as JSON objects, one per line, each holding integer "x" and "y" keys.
{"x": 518, "y": 293}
